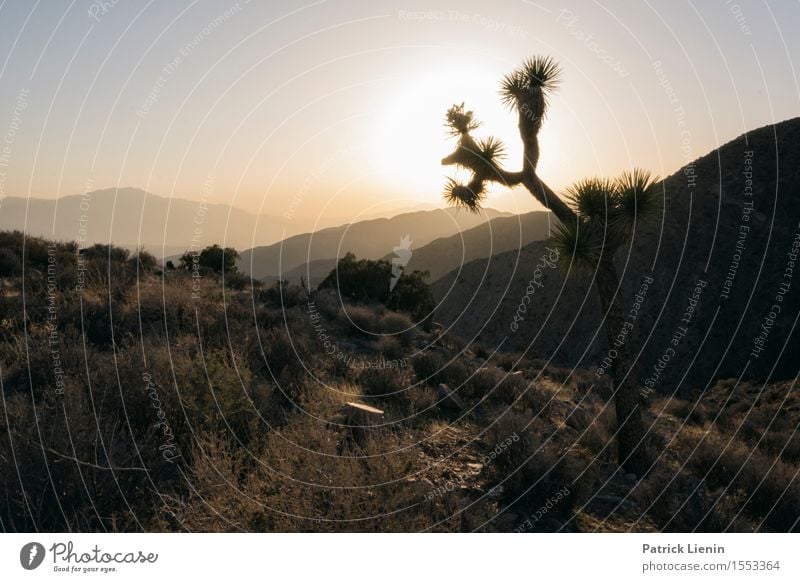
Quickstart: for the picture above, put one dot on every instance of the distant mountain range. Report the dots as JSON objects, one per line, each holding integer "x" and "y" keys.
{"x": 131, "y": 217}
{"x": 504, "y": 233}
{"x": 704, "y": 276}
{"x": 444, "y": 254}
{"x": 368, "y": 239}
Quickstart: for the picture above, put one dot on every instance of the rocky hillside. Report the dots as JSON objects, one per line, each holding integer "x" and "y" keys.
{"x": 710, "y": 285}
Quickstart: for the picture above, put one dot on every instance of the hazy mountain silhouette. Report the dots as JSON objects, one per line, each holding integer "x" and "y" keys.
{"x": 502, "y": 234}
{"x": 445, "y": 254}
{"x": 369, "y": 239}
{"x": 131, "y": 217}
{"x": 700, "y": 236}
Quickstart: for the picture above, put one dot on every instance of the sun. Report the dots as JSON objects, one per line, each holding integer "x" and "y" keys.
{"x": 409, "y": 138}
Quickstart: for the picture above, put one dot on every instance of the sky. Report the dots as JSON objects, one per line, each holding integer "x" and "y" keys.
{"x": 328, "y": 109}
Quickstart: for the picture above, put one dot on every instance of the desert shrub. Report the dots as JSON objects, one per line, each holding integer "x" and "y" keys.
{"x": 432, "y": 368}
{"x": 144, "y": 261}
{"x": 691, "y": 412}
{"x": 677, "y": 502}
{"x": 559, "y": 374}
{"x": 361, "y": 320}
{"x": 156, "y": 306}
{"x": 426, "y": 367}
{"x": 397, "y": 325}
{"x": 532, "y": 467}
{"x": 505, "y": 361}
{"x": 217, "y": 396}
{"x": 282, "y": 294}
{"x": 494, "y": 385}
{"x": 771, "y": 492}
{"x": 238, "y": 281}
{"x": 10, "y": 263}
{"x": 283, "y": 359}
{"x": 421, "y": 399}
{"x": 380, "y": 381}
{"x": 327, "y": 302}
{"x": 100, "y": 253}
{"x": 480, "y": 351}
{"x": 390, "y": 347}
{"x": 295, "y": 479}
{"x": 482, "y": 382}
{"x": 413, "y": 295}
{"x": 511, "y": 389}
{"x": 99, "y": 317}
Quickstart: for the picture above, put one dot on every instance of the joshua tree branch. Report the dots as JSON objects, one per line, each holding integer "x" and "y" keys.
{"x": 548, "y": 198}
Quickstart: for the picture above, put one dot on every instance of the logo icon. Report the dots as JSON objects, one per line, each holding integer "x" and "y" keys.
{"x": 402, "y": 254}
{"x": 31, "y": 555}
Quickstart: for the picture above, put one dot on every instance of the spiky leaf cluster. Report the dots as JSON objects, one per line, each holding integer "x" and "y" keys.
{"x": 460, "y": 122}
{"x": 469, "y": 196}
{"x": 481, "y": 157}
{"x": 526, "y": 88}
{"x": 579, "y": 246}
{"x": 606, "y": 212}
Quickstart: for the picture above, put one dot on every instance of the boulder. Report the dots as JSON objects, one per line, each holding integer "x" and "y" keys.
{"x": 448, "y": 398}
{"x": 579, "y": 419}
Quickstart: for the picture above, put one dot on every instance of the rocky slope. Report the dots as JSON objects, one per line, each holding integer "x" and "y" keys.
{"x": 700, "y": 281}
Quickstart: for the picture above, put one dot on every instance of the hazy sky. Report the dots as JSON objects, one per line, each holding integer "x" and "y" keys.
{"x": 336, "y": 107}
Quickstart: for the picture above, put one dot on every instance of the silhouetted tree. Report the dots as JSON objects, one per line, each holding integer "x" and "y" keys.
{"x": 596, "y": 219}
{"x": 215, "y": 258}
{"x": 363, "y": 280}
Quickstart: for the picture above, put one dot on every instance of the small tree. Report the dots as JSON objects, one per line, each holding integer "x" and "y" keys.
{"x": 365, "y": 280}
{"x": 597, "y": 218}
{"x": 215, "y": 258}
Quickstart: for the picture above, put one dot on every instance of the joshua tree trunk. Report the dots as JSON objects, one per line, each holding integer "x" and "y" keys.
{"x": 630, "y": 428}
{"x": 630, "y": 432}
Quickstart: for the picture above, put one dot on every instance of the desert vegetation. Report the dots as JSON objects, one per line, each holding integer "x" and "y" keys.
{"x": 136, "y": 398}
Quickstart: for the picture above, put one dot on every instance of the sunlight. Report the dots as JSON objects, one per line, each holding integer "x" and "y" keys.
{"x": 410, "y": 137}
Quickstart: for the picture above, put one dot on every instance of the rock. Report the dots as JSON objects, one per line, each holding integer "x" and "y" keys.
{"x": 496, "y": 492}
{"x": 605, "y": 505}
{"x": 358, "y": 411}
{"x": 448, "y": 398}
{"x": 579, "y": 419}
{"x": 360, "y": 417}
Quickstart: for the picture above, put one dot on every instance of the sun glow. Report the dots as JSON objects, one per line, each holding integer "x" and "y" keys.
{"x": 410, "y": 138}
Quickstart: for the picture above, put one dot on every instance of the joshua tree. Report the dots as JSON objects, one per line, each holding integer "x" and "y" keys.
{"x": 596, "y": 218}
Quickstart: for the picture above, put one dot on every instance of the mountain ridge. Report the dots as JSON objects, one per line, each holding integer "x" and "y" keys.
{"x": 681, "y": 252}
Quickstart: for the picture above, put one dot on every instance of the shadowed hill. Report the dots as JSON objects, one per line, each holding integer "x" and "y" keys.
{"x": 444, "y": 254}
{"x": 369, "y": 239}
{"x": 713, "y": 264}
{"x": 500, "y": 235}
